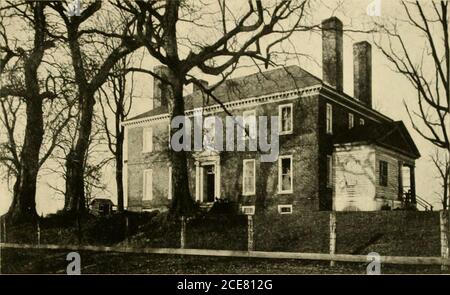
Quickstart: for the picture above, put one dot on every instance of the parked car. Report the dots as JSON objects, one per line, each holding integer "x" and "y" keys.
{"x": 101, "y": 206}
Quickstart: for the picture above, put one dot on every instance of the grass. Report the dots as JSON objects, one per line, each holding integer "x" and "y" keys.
{"x": 297, "y": 232}
{"x": 396, "y": 233}
{"x": 222, "y": 232}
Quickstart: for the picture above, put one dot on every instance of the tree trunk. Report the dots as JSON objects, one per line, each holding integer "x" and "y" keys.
{"x": 182, "y": 202}
{"x": 23, "y": 207}
{"x": 75, "y": 162}
{"x": 446, "y": 188}
{"x": 119, "y": 169}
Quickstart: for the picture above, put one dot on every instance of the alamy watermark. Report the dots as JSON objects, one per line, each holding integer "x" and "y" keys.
{"x": 374, "y": 266}
{"x": 208, "y": 134}
{"x": 74, "y": 8}
{"x": 74, "y": 266}
{"x": 374, "y": 8}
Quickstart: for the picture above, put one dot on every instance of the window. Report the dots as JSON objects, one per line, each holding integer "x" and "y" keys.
{"x": 361, "y": 122}
{"x": 148, "y": 185}
{"x": 248, "y": 210}
{"x": 248, "y": 178}
{"x": 285, "y": 174}
{"x": 285, "y": 209}
{"x": 351, "y": 121}
{"x": 383, "y": 173}
{"x": 329, "y": 171}
{"x": 147, "y": 138}
{"x": 169, "y": 193}
{"x": 285, "y": 119}
{"x": 249, "y": 122}
{"x": 329, "y": 119}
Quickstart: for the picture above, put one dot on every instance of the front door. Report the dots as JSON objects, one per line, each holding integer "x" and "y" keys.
{"x": 209, "y": 178}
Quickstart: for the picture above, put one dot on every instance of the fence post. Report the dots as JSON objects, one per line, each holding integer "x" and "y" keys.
{"x": 183, "y": 233}
{"x": 332, "y": 236}
{"x": 126, "y": 231}
{"x": 4, "y": 230}
{"x": 250, "y": 241}
{"x": 38, "y": 225}
{"x": 444, "y": 238}
{"x": 79, "y": 229}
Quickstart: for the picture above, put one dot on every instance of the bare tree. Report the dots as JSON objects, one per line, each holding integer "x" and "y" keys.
{"x": 90, "y": 74}
{"x": 25, "y": 90}
{"x": 9, "y": 149}
{"x": 442, "y": 163}
{"x": 97, "y": 158}
{"x": 427, "y": 71}
{"x": 235, "y": 31}
{"x": 117, "y": 101}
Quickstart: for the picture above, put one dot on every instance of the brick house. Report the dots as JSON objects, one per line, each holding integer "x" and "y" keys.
{"x": 335, "y": 151}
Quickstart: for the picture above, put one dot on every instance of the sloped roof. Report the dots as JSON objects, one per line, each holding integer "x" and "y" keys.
{"x": 254, "y": 85}
{"x": 154, "y": 112}
{"x": 393, "y": 135}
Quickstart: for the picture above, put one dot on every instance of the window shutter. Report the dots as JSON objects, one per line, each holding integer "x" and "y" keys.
{"x": 147, "y": 145}
{"x": 148, "y": 185}
{"x": 170, "y": 184}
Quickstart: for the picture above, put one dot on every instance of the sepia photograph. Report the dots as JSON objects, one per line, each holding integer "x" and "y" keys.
{"x": 224, "y": 137}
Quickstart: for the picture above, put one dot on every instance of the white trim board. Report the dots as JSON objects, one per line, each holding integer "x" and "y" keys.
{"x": 238, "y": 104}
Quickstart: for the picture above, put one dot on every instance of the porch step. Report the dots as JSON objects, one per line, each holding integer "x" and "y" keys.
{"x": 206, "y": 206}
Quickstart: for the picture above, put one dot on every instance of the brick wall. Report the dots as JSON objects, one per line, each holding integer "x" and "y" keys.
{"x": 302, "y": 144}
{"x": 158, "y": 161}
{"x": 309, "y": 146}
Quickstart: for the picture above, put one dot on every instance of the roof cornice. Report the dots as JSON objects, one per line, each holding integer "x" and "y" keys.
{"x": 233, "y": 105}
{"x": 322, "y": 89}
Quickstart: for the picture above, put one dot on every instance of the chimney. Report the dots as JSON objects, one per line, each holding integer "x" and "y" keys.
{"x": 161, "y": 90}
{"x": 198, "y": 88}
{"x": 362, "y": 71}
{"x": 332, "y": 53}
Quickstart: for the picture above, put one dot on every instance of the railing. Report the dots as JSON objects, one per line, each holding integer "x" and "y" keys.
{"x": 409, "y": 200}
{"x": 407, "y": 260}
{"x": 423, "y": 203}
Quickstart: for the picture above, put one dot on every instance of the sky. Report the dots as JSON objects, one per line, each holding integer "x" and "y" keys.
{"x": 389, "y": 91}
